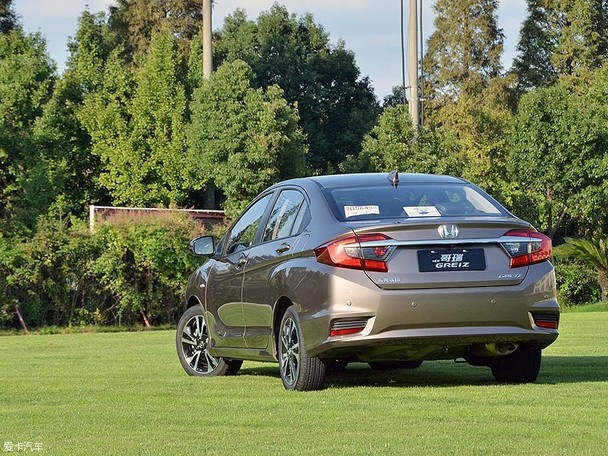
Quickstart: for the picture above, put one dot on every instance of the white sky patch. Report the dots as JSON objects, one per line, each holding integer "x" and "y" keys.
{"x": 341, "y": 7}
{"x": 41, "y": 11}
{"x": 370, "y": 28}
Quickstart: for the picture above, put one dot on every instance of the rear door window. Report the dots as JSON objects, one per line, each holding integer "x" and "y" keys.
{"x": 284, "y": 215}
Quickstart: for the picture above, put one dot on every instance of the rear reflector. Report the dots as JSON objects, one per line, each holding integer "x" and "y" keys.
{"x": 549, "y": 320}
{"x": 535, "y": 250}
{"x": 352, "y": 253}
{"x": 346, "y": 327}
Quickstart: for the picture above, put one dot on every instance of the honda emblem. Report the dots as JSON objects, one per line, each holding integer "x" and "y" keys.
{"x": 448, "y": 231}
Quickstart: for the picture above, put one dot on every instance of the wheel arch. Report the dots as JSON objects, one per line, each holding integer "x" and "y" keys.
{"x": 192, "y": 301}
{"x": 281, "y": 306}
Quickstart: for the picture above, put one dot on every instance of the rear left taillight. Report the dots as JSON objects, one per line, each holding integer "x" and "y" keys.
{"x": 351, "y": 252}
{"x": 534, "y": 249}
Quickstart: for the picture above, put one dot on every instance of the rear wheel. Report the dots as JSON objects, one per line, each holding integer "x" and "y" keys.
{"x": 521, "y": 366}
{"x": 298, "y": 370}
{"x": 394, "y": 365}
{"x": 192, "y": 340}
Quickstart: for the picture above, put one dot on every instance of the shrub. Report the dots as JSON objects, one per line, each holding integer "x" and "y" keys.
{"x": 144, "y": 267}
{"x": 64, "y": 275}
{"x": 576, "y": 283}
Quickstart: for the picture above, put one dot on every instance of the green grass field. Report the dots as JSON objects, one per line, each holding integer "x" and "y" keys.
{"x": 125, "y": 393}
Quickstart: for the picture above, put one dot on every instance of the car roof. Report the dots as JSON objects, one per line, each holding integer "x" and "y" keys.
{"x": 375, "y": 179}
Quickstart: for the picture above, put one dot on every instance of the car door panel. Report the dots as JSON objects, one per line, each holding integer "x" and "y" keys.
{"x": 265, "y": 270}
{"x": 224, "y": 294}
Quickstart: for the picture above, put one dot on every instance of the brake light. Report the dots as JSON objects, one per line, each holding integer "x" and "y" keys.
{"x": 352, "y": 253}
{"x": 535, "y": 249}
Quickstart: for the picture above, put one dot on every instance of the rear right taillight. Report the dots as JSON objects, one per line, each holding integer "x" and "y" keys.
{"x": 535, "y": 248}
{"x": 351, "y": 252}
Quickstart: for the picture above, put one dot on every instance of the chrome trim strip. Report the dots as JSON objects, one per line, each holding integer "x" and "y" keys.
{"x": 459, "y": 241}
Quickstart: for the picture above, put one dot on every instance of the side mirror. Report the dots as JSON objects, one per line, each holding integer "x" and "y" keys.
{"x": 202, "y": 246}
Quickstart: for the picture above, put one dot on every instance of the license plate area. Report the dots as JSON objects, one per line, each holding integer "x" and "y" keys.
{"x": 451, "y": 260}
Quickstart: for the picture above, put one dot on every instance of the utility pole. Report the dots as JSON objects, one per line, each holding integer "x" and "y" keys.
{"x": 412, "y": 62}
{"x": 207, "y": 46}
{"x": 209, "y": 195}
{"x": 403, "y": 79}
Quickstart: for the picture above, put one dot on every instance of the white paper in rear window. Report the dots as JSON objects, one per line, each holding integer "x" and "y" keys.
{"x": 353, "y": 211}
{"x": 422, "y": 211}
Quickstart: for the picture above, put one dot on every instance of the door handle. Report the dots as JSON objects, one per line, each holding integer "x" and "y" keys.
{"x": 283, "y": 248}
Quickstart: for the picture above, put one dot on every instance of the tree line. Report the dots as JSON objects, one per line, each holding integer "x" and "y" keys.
{"x": 132, "y": 122}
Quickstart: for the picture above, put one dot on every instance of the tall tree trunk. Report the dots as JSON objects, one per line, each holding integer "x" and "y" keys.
{"x": 602, "y": 278}
{"x": 20, "y": 318}
{"x": 145, "y": 318}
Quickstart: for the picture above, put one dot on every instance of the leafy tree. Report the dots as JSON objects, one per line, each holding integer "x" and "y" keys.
{"x": 244, "y": 139}
{"x": 395, "y": 98}
{"x": 135, "y": 21}
{"x": 463, "y": 53}
{"x": 26, "y": 80}
{"x": 64, "y": 178}
{"x": 593, "y": 252}
{"x": 533, "y": 64}
{"x": 558, "y": 160}
{"x": 560, "y": 38}
{"x": 582, "y": 41}
{"x": 8, "y": 18}
{"x": 138, "y": 128}
{"x": 337, "y": 107}
{"x": 393, "y": 144}
{"x": 195, "y": 66}
{"x": 477, "y": 127}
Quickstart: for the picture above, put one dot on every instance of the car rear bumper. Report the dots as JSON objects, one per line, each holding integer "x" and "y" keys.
{"x": 431, "y": 323}
{"x": 429, "y": 343}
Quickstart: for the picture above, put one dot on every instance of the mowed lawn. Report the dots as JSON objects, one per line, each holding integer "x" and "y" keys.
{"x": 125, "y": 393}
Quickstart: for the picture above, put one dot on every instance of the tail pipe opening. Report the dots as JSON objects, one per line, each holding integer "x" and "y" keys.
{"x": 494, "y": 349}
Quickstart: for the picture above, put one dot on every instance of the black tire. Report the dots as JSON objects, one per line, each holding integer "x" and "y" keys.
{"x": 394, "y": 365}
{"x": 299, "y": 371}
{"x": 521, "y": 366}
{"x": 192, "y": 341}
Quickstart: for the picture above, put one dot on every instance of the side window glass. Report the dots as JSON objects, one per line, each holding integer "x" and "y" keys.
{"x": 302, "y": 219}
{"x": 243, "y": 232}
{"x": 283, "y": 215}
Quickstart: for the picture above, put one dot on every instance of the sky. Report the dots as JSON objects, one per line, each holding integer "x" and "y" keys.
{"x": 370, "y": 28}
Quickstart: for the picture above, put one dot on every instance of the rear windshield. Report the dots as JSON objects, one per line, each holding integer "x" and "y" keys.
{"x": 424, "y": 200}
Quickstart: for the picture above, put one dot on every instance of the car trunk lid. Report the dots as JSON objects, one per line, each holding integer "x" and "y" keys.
{"x": 438, "y": 254}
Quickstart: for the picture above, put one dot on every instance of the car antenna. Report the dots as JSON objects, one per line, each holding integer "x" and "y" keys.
{"x": 393, "y": 177}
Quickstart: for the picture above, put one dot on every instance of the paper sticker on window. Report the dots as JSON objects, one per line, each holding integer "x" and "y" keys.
{"x": 353, "y": 211}
{"x": 422, "y": 211}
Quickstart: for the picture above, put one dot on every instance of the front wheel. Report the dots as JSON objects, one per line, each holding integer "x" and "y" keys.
{"x": 192, "y": 340}
{"x": 521, "y": 366}
{"x": 298, "y": 370}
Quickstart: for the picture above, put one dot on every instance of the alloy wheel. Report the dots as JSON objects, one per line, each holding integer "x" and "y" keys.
{"x": 195, "y": 343}
{"x": 290, "y": 351}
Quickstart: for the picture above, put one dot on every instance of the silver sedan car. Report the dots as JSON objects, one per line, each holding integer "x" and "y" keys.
{"x": 386, "y": 269}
